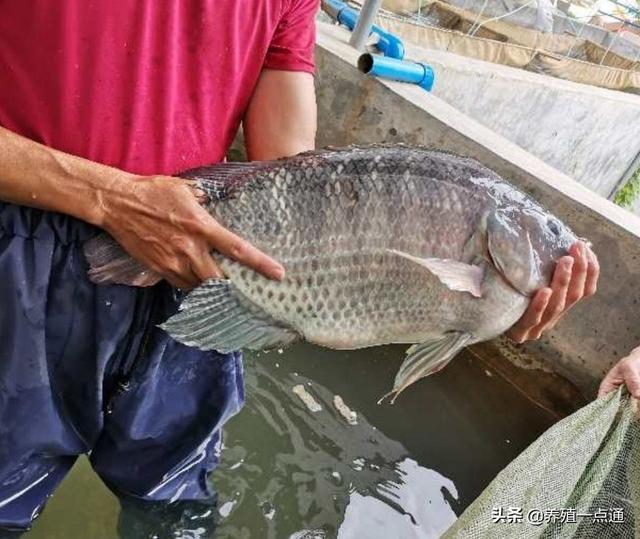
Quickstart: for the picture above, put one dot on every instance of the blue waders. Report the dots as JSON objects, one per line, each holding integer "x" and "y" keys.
{"x": 84, "y": 369}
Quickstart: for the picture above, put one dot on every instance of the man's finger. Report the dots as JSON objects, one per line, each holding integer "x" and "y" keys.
{"x": 179, "y": 273}
{"x": 559, "y": 286}
{"x": 608, "y": 385}
{"x": 205, "y": 267}
{"x": 578, "y": 275}
{"x": 631, "y": 375}
{"x": 633, "y": 385}
{"x": 532, "y": 316}
{"x": 593, "y": 272}
{"x": 575, "y": 291}
{"x": 227, "y": 243}
{"x": 612, "y": 381}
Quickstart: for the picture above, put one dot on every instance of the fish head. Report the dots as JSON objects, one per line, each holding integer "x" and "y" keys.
{"x": 524, "y": 243}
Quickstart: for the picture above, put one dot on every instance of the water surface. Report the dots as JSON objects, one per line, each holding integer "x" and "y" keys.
{"x": 404, "y": 471}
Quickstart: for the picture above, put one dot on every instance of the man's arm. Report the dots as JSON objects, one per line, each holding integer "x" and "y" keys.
{"x": 281, "y": 118}
{"x": 157, "y": 219}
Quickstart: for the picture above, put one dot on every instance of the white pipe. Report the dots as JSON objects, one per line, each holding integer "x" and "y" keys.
{"x": 362, "y": 30}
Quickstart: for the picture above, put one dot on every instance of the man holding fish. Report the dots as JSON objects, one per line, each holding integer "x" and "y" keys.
{"x": 101, "y": 103}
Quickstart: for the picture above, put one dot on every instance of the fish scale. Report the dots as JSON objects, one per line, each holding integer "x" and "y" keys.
{"x": 381, "y": 244}
{"x": 382, "y": 229}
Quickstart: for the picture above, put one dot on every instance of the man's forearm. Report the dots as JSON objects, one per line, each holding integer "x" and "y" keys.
{"x": 32, "y": 174}
{"x": 156, "y": 219}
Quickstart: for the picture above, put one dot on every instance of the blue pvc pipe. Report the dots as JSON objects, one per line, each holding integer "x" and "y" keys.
{"x": 388, "y": 44}
{"x": 341, "y": 12}
{"x": 401, "y": 70}
{"x": 349, "y": 17}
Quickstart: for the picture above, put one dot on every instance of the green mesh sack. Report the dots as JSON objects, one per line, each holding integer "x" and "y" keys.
{"x": 580, "y": 479}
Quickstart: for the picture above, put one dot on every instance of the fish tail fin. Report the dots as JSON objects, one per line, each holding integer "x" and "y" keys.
{"x": 109, "y": 263}
{"x": 216, "y": 316}
{"x": 426, "y": 358}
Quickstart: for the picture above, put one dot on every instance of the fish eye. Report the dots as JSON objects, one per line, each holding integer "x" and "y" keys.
{"x": 553, "y": 226}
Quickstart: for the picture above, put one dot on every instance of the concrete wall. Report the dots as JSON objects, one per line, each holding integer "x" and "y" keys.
{"x": 591, "y": 134}
{"x": 354, "y": 108}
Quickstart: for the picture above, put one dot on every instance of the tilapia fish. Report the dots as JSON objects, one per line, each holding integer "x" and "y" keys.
{"x": 381, "y": 244}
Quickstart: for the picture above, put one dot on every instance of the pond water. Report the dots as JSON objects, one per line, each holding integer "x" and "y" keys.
{"x": 403, "y": 471}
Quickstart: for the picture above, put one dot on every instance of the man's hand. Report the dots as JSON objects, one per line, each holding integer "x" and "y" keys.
{"x": 159, "y": 221}
{"x": 626, "y": 371}
{"x": 575, "y": 278}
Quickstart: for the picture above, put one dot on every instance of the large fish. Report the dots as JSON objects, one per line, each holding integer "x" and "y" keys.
{"x": 381, "y": 244}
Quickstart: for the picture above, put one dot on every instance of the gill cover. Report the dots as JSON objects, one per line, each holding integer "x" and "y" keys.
{"x": 510, "y": 249}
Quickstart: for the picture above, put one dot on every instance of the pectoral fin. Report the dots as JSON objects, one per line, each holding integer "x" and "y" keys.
{"x": 426, "y": 358}
{"x": 455, "y": 275}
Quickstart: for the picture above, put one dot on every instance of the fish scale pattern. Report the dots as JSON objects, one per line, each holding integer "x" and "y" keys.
{"x": 332, "y": 217}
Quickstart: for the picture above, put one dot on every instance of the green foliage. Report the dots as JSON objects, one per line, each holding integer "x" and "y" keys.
{"x": 626, "y": 196}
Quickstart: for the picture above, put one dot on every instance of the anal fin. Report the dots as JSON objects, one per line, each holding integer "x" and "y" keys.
{"x": 215, "y": 316}
{"x": 426, "y": 358}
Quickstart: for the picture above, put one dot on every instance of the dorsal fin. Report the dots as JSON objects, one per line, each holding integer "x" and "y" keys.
{"x": 226, "y": 171}
{"x": 221, "y": 180}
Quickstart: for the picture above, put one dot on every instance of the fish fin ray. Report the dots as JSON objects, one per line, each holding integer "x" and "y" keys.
{"x": 110, "y": 263}
{"x": 452, "y": 273}
{"x": 220, "y": 181}
{"x": 427, "y": 358}
{"x": 245, "y": 325}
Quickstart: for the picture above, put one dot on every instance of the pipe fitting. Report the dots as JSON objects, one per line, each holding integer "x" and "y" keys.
{"x": 400, "y": 70}
{"x": 388, "y": 44}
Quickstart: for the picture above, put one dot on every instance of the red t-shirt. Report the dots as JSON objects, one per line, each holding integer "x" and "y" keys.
{"x": 149, "y": 86}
